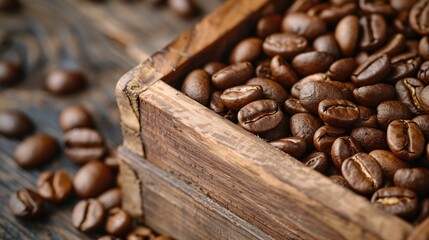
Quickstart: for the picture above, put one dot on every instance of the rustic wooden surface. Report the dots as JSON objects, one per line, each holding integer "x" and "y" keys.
{"x": 104, "y": 40}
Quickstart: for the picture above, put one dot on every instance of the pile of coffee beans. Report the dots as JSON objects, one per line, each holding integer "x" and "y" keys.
{"x": 96, "y": 183}
{"x": 341, "y": 85}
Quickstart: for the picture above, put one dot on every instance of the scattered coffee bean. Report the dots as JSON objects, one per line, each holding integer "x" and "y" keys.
{"x": 405, "y": 139}
{"x": 292, "y": 106}
{"x": 14, "y": 124}
{"x": 246, "y": 51}
{"x": 140, "y": 233}
{"x": 54, "y": 186}
{"x": 398, "y": 201}
{"x": 325, "y": 136}
{"x": 183, "y": 8}
{"x": 36, "y": 150}
{"x": 327, "y": 43}
{"x": 373, "y": 32}
{"x": 312, "y": 93}
{"x": 424, "y": 48}
{"x": 373, "y": 95}
{"x": 304, "y": 25}
{"x": 282, "y": 72}
{"x": 347, "y": 34}
{"x": 294, "y": 146}
{"x": 423, "y": 122}
{"x": 416, "y": 179}
{"x": 286, "y": 45}
{"x": 197, "y": 86}
{"x": 75, "y": 116}
{"x": 341, "y": 69}
{"x": 343, "y": 148}
{"x": 408, "y": 90}
{"x": 340, "y": 180}
{"x": 270, "y": 89}
{"x": 9, "y": 71}
{"x": 92, "y": 179}
{"x": 423, "y": 74}
{"x": 268, "y": 25}
{"x": 260, "y": 116}
{"x": 311, "y": 62}
{"x": 372, "y": 71}
{"x": 26, "y": 204}
{"x": 212, "y": 67}
{"x": 111, "y": 198}
{"x": 233, "y": 75}
{"x": 389, "y": 111}
{"x": 118, "y": 222}
{"x": 88, "y": 215}
{"x": 389, "y": 163}
{"x": 404, "y": 65}
{"x": 237, "y": 97}
{"x": 370, "y": 138}
{"x": 367, "y": 118}
{"x": 317, "y": 161}
{"x": 418, "y": 17}
{"x": 338, "y": 112}
{"x": 63, "y": 81}
{"x": 83, "y": 145}
{"x": 304, "y": 125}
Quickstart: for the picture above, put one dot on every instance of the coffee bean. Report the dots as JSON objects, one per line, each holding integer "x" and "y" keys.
{"x": 325, "y": 136}
{"x": 404, "y": 65}
{"x": 304, "y": 25}
{"x": 342, "y": 69}
{"x": 347, "y": 34}
{"x": 92, "y": 179}
{"x": 287, "y": 45}
{"x": 237, "y": 97}
{"x": 83, "y": 145}
{"x": 361, "y": 57}
{"x": 183, "y": 8}
{"x": 423, "y": 211}
{"x": 108, "y": 237}
{"x": 373, "y": 32}
{"x": 9, "y": 72}
{"x": 35, "y": 151}
{"x": 327, "y": 43}
{"x": 296, "y": 88}
{"x": 14, "y": 124}
{"x": 111, "y": 198}
{"x": 424, "y": 48}
{"x": 88, "y": 215}
{"x": 311, "y": 62}
{"x": 232, "y": 75}
{"x": 212, "y": 67}
{"x": 75, "y": 116}
{"x": 418, "y": 18}
{"x": 367, "y": 118}
{"x": 363, "y": 173}
{"x": 112, "y": 161}
{"x": 416, "y": 179}
{"x": 263, "y": 70}
{"x": 393, "y": 47}
{"x": 292, "y": 106}
{"x": 338, "y": 112}
{"x": 140, "y": 233}
{"x": 317, "y": 161}
{"x": 389, "y": 163}
{"x": 402, "y": 5}
{"x": 376, "y": 6}
{"x": 401, "y": 202}
{"x": 260, "y": 116}
{"x": 423, "y": 74}
{"x": 294, "y": 146}
{"x": 246, "y": 51}
{"x": 118, "y": 222}
{"x": 301, "y": 5}
{"x": 343, "y": 148}
{"x": 332, "y": 13}
{"x": 424, "y": 99}
{"x": 26, "y": 204}
{"x": 271, "y": 89}
{"x": 340, "y": 180}
{"x": 268, "y": 25}
{"x": 373, "y": 95}
{"x": 62, "y": 81}
{"x": 408, "y": 90}
{"x": 312, "y": 93}
{"x": 389, "y": 111}
{"x": 282, "y": 72}
{"x": 370, "y": 138}
{"x": 375, "y": 69}
{"x": 423, "y": 122}
{"x": 402, "y": 25}
{"x": 304, "y": 125}
{"x": 197, "y": 86}
{"x": 216, "y": 104}
{"x": 54, "y": 186}
{"x": 405, "y": 139}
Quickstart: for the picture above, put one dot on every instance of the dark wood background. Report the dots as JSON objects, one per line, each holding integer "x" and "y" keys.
{"x": 104, "y": 40}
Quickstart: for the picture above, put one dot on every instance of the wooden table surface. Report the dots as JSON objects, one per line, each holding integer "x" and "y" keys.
{"x": 104, "y": 40}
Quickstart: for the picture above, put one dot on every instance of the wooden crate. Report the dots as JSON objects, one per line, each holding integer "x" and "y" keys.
{"x": 189, "y": 173}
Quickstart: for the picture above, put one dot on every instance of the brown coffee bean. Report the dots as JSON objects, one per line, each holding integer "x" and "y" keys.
{"x": 343, "y": 148}
{"x": 389, "y": 111}
{"x": 197, "y": 86}
{"x": 376, "y": 6}
{"x": 317, "y": 161}
{"x": 393, "y": 47}
{"x": 118, "y": 222}
{"x": 140, "y": 233}
{"x": 92, "y": 179}
{"x": 296, "y": 88}
{"x": 294, "y": 146}
{"x": 338, "y": 112}
{"x": 304, "y": 125}
{"x": 282, "y": 72}
{"x": 404, "y": 65}
{"x": 304, "y": 25}
{"x": 423, "y": 74}
{"x": 83, "y": 145}
{"x": 54, "y": 186}
{"x": 311, "y": 62}
{"x": 347, "y": 34}
{"x": 367, "y": 118}
{"x": 361, "y": 57}
{"x": 268, "y": 25}
{"x": 216, "y": 104}
{"x": 26, "y": 204}
{"x": 237, "y": 97}
{"x": 401, "y": 5}
{"x": 342, "y": 69}
{"x": 419, "y": 19}
{"x": 260, "y": 116}
{"x": 408, "y": 90}
{"x": 405, "y": 139}
{"x": 416, "y": 179}
{"x": 301, "y": 5}
{"x": 14, "y": 124}
{"x": 271, "y": 89}
{"x": 424, "y": 48}
{"x": 389, "y": 163}
{"x": 423, "y": 122}
{"x": 332, "y": 13}
{"x": 88, "y": 215}
{"x": 9, "y": 72}
{"x": 312, "y": 93}
{"x": 212, "y": 67}
{"x": 374, "y": 70}
{"x": 424, "y": 99}
{"x": 423, "y": 211}
{"x": 370, "y": 138}
{"x": 63, "y": 81}
{"x": 112, "y": 161}
{"x": 183, "y": 8}
{"x": 340, "y": 180}
{"x": 286, "y": 45}
{"x": 246, "y": 51}
{"x": 402, "y": 25}
{"x": 401, "y": 202}
{"x": 232, "y": 75}
{"x": 292, "y": 106}
{"x": 373, "y": 95}
{"x": 75, "y": 116}
{"x": 325, "y": 136}
{"x": 108, "y": 237}
{"x": 111, "y": 198}
{"x": 374, "y": 32}
{"x": 35, "y": 151}
{"x": 327, "y": 43}
{"x": 363, "y": 173}
{"x": 263, "y": 70}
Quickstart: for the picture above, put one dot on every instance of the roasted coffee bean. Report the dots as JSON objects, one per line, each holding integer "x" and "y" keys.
{"x": 83, "y": 145}
{"x": 268, "y": 25}
{"x": 373, "y": 95}
{"x": 197, "y": 86}
{"x": 332, "y": 13}
{"x": 398, "y": 201}
{"x": 212, "y": 67}
{"x": 393, "y": 47}
{"x": 343, "y": 148}
{"x": 312, "y": 93}
{"x": 361, "y": 57}
{"x": 338, "y": 112}
{"x": 282, "y": 72}
{"x": 88, "y": 215}
{"x": 402, "y": 5}
{"x": 216, "y": 104}
{"x": 376, "y": 6}
{"x": 280, "y": 131}
{"x": 424, "y": 48}
{"x": 340, "y": 180}
{"x": 423, "y": 122}
{"x": 404, "y": 65}
{"x": 423, "y": 74}
{"x": 246, "y": 51}
{"x": 304, "y": 125}
{"x": 345, "y": 87}
{"x": 263, "y": 70}
{"x": 424, "y": 99}
{"x": 92, "y": 179}
{"x": 374, "y": 32}
{"x": 14, "y": 124}
{"x": 232, "y": 75}
{"x": 35, "y": 151}
{"x": 405, "y": 139}
{"x": 317, "y": 161}
{"x": 402, "y": 25}
{"x": 63, "y": 81}
{"x": 260, "y": 116}
{"x": 327, "y": 43}
{"x": 389, "y": 111}
{"x": 54, "y": 186}
{"x": 301, "y": 5}
{"x": 140, "y": 233}
{"x": 347, "y": 34}
{"x": 231, "y": 116}
{"x": 118, "y": 222}
{"x": 367, "y": 118}
{"x": 416, "y": 179}
{"x": 294, "y": 146}
{"x": 423, "y": 211}
{"x": 183, "y": 8}
{"x": 75, "y": 116}
{"x": 363, "y": 173}
{"x": 408, "y": 90}
{"x": 374, "y": 70}
{"x": 271, "y": 89}
{"x": 389, "y": 163}
{"x": 370, "y": 138}
{"x": 342, "y": 69}
{"x": 325, "y": 136}
{"x": 287, "y": 45}
{"x": 296, "y": 88}
{"x": 292, "y": 106}
{"x": 111, "y": 198}
{"x": 9, "y": 72}
{"x": 311, "y": 62}
{"x": 304, "y": 25}
{"x": 237, "y": 97}
{"x": 419, "y": 19}
{"x": 26, "y": 204}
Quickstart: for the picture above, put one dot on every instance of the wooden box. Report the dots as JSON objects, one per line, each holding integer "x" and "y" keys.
{"x": 191, "y": 174}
